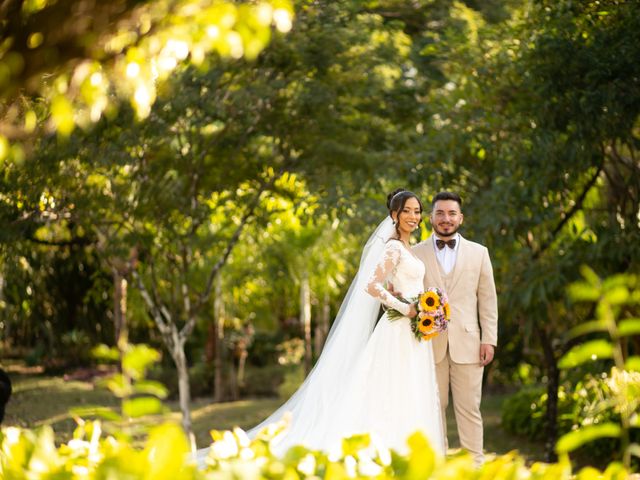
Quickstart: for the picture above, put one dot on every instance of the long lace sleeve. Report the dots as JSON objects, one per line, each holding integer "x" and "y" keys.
{"x": 384, "y": 269}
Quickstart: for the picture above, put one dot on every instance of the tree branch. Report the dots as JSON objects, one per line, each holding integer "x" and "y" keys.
{"x": 577, "y": 206}
{"x": 156, "y": 311}
{"x": 204, "y": 296}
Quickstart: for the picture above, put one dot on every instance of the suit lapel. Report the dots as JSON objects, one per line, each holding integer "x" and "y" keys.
{"x": 430, "y": 260}
{"x": 459, "y": 266}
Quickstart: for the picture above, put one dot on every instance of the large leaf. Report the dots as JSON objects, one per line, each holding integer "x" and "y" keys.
{"x": 587, "y": 327}
{"x": 590, "y": 276}
{"x": 629, "y": 326}
{"x": 583, "y": 292}
{"x": 95, "y": 411}
{"x": 105, "y": 353}
{"x": 166, "y": 450}
{"x": 136, "y": 361}
{"x": 422, "y": 458}
{"x": 151, "y": 387}
{"x": 632, "y": 364}
{"x": 618, "y": 295}
{"x": 139, "y": 407}
{"x": 592, "y": 350}
{"x": 634, "y": 449}
{"x": 577, "y": 438}
{"x": 118, "y": 385}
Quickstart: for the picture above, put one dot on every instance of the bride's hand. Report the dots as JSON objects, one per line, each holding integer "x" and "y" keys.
{"x": 413, "y": 312}
{"x": 392, "y": 290}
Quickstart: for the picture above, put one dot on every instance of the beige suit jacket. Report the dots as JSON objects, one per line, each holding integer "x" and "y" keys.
{"x": 473, "y": 299}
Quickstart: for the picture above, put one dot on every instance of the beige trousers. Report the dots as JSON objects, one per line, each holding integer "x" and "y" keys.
{"x": 465, "y": 382}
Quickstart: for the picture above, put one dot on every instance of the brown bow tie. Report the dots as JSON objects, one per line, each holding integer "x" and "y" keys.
{"x": 449, "y": 243}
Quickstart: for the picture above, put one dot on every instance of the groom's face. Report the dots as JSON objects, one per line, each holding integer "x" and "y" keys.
{"x": 446, "y": 218}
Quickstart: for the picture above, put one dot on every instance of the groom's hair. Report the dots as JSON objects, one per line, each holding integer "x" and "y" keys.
{"x": 446, "y": 196}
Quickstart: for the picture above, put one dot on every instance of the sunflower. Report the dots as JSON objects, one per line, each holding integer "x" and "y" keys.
{"x": 429, "y": 336}
{"x": 425, "y": 323}
{"x": 429, "y": 300}
{"x": 447, "y": 310}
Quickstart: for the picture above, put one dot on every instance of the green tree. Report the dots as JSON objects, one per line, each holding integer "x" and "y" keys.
{"x": 62, "y": 62}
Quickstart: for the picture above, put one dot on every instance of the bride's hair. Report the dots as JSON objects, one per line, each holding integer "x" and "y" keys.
{"x": 396, "y": 201}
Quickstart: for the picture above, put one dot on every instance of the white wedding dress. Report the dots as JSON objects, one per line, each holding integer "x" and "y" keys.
{"x": 378, "y": 380}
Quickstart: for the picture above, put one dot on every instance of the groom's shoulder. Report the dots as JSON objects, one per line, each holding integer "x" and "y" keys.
{"x": 474, "y": 245}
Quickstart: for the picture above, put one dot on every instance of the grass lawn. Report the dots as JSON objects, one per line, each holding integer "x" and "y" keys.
{"x": 40, "y": 399}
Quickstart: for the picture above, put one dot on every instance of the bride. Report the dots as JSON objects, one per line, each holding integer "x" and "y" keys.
{"x": 370, "y": 378}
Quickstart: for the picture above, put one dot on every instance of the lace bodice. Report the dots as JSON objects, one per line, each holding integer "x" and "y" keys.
{"x": 400, "y": 267}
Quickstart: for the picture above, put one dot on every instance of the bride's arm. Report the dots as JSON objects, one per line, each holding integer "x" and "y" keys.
{"x": 386, "y": 265}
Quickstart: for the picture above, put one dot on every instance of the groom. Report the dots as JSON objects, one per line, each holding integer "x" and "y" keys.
{"x": 463, "y": 270}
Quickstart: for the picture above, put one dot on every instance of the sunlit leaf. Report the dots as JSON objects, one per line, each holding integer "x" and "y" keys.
{"x": 118, "y": 385}
{"x": 104, "y": 352}
{"x": 166, "y": 450}
{"x": 617, "y": 295}
{"x": 590, "y": 276}
{"x": 151, "y": 387}
{"x": 629, "y": 326}
{"x": 616, "y": 471}
{"x": 577, "y": 438}
{"x": 583, "y": 292}
{"x": 632, "y": 364}
{"x": 95, "y": 411}
{"x": 355, "y": 443}
{"x": 4, "y": 148}
{"x": 45, "y": 454}
{"x": 588, "y": 351}
{"x": 421, "y": 457}
{"x": 634, "y": 449}
{"x": 62, "y": 115}
{"x": 587, "y": 327}
{"x": 139, "y": 407}
{"x": 138, "y": 359}
{"x": 589, "y": 473}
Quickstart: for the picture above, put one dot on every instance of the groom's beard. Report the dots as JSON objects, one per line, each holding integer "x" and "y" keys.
{"x": 444, "y": 235}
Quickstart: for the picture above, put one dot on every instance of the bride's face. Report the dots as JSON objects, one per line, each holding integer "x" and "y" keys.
{"x": 409, "y": 217}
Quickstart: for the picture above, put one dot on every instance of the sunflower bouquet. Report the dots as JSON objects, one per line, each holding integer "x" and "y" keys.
{"x": 433, "y": 313}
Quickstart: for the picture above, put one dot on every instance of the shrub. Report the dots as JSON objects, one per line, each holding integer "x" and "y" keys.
{"x": 524, "y": 414}
{"x": 26, "y": 454}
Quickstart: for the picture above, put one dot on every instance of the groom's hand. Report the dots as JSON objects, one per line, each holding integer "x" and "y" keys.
{"x": 486, "y": 354}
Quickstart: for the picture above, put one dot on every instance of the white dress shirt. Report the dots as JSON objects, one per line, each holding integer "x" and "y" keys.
{"x": 447, "y": 256}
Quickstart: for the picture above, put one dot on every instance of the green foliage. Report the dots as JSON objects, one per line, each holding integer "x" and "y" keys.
{"x": 585, "y": 406}
{"x": 293, "y": 378}
{"x": 126, "y": 49}
{"x": 615, "y": 296}
{"x": 25, "y": 454}
{"x": 524, "y": 412}
{"x": 139, "y": 396}
{"x": 600, "y": 407}
{"x": 165, "y": 455}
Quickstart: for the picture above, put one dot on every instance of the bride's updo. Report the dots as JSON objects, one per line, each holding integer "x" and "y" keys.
{"x": 396, "y": 201}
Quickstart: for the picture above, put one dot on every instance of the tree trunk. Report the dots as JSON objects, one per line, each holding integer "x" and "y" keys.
{"x": 233, "y": 381}
{"x": 305, "y": 319}
{"x": 120, "y": 309}
{"x": 184, "y": 389}
{"x": 218, "y": 363}
{"x": 553, "y": 375}
{"x": 322, "y": 329}
{"x": 210, "y": 344}
{"x": 242, "y": 355}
